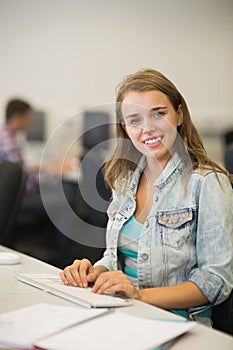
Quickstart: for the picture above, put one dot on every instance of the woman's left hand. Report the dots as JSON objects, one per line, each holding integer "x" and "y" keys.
{"x": 115, "y": 281}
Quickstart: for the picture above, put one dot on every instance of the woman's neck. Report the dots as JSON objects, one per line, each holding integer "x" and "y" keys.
{"x": 153, "y": 169}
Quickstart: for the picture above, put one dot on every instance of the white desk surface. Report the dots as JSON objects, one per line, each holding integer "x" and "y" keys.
{"x": 14, "y": 295}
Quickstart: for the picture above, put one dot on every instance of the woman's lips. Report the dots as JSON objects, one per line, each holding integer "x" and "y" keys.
{"x": 152, "y": 141}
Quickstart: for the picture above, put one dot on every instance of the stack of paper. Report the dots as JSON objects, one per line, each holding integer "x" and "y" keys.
{"x": 24, "y": 327}
{"x": 67, "y": 328}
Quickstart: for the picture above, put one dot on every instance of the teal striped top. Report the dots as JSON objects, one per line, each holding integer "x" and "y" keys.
{"x": 128, "y": 246}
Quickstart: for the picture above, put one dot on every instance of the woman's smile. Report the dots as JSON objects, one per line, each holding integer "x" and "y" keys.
{"x": 153, "y": 141}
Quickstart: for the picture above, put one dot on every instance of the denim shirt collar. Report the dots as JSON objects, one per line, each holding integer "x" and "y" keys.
{"x": 132, "y": 187}
{"x": 172, "y": 169}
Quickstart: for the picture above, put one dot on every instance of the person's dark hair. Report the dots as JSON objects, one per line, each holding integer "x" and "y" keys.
{"x": 18, "y": 107}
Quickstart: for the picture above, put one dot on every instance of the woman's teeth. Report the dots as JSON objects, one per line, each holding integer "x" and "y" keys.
{"x": 152, "y": 141}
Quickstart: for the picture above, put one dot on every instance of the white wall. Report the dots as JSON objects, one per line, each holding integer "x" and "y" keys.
{"x": 63, "y": 55}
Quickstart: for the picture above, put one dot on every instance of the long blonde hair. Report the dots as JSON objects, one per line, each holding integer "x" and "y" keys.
{"x": 125, "y": 156}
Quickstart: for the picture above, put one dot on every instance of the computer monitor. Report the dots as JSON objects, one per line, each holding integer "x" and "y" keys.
{"x": 95, "y": 129}
{"x": 37, "y": 128}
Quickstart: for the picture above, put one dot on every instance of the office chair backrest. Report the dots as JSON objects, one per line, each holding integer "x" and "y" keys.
{"x": 96, "y": 195}
{"x": 228, "y": 158}
{"x": 222, "y": 315}
{"x": 12, "y": 186}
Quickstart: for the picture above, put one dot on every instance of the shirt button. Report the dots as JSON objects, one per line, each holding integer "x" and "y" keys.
{"x": 145, "y": 256}
{"x": 156, "y": 198}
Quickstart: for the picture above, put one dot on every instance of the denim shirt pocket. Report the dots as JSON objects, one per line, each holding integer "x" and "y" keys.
{"x": 175, "y": 227}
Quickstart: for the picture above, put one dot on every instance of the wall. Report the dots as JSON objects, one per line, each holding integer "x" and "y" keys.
{"x": 64, "y": 55}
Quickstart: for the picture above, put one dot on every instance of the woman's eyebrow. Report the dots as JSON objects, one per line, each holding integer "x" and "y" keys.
{"x": 132, "y": 115}
{"x": 154, "y": 109}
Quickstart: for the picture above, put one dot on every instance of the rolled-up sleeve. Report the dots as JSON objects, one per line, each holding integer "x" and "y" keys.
{"x": 214, "y": 240}
{"x": 106, "y": 261}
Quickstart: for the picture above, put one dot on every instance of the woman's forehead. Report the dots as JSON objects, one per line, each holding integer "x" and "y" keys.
{"x": 146, "y": 100}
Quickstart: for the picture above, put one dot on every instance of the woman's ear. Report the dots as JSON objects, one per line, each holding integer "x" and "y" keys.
{"x": 180, "y": 117}
{"x": 124, "y": 128}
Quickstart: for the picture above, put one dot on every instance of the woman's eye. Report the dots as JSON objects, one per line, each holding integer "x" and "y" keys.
{"x": 158, "y": 115}
{"x": 135, "y": 122}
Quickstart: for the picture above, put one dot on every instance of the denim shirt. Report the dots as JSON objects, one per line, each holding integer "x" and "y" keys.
{"x": 188, "y": 234}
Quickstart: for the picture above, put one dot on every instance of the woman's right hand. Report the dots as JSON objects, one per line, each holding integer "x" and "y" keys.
{"x": 81, "y": 272}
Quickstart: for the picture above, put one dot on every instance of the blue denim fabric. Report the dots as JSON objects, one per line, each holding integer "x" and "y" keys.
{"x": 188, "y": 234}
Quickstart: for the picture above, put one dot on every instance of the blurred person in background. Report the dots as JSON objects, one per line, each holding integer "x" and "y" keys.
{"x": 17, "y": 119}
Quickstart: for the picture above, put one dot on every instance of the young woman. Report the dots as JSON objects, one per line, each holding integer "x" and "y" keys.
{"x": 170, "y": 232}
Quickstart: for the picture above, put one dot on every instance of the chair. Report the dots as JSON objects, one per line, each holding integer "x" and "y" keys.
{"x": 222, "y": 315}
{"x": 12, "y": 186}
{"x": 228, "y": 158}
{"x": 93, "y": 188}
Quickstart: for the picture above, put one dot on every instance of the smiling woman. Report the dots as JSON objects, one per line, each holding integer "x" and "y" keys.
{"x": 150, "y": 121}
{"x": 169, "y": 241}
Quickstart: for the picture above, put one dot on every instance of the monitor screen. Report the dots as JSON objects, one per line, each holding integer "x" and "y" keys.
{"x": 37, "y": 128}
{"x": 96, "y": 129}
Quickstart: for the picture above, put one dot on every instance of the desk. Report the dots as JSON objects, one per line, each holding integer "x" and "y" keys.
{"x": 14, "y": 295}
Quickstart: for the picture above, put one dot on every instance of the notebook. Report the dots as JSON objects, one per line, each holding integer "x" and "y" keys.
{"x": 82, "y": 296}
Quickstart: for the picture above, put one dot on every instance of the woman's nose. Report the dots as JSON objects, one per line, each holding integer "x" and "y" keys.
{"x": 148, "y": 125}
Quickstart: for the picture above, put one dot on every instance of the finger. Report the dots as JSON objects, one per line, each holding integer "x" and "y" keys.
{"x": 92, "y": 275}
{"x": 75, "y": 273}
{"x": 103, "y": 282}
{"x": 102, "y": 288}
{"x": 85, "y": 265}
{"x": 63, "y": 278}
{"x": 68, "y": 276}
{"x": 72, "y": 273}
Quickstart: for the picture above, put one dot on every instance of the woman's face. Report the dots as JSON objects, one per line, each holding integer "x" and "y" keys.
{"x": 150, "y": 121}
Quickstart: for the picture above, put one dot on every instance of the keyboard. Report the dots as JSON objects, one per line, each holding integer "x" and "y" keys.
{"x": 82, "y": 296}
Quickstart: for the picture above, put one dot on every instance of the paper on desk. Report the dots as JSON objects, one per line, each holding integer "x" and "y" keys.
{"x": 117, "y": 331}
{"x": 24, "y": 327}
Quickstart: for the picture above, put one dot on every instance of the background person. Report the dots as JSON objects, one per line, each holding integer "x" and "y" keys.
{"x": 169, "y": 234}
{"x": 17, "y": 119}
{"x": 33, "y": 216}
